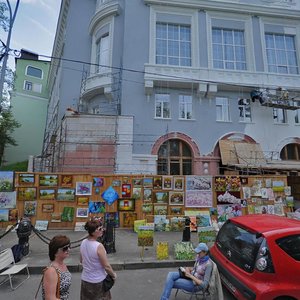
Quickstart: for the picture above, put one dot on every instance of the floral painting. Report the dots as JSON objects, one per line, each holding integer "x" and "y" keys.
{"x": 6, "y": 181}
{"x": 83, "y": 188}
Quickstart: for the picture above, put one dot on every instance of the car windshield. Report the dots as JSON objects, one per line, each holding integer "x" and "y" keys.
{"x": 291, "y": 245}
{"x": 239, "y": 245}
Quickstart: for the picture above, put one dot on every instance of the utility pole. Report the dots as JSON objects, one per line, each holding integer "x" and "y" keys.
{"x": 12, "y": 16}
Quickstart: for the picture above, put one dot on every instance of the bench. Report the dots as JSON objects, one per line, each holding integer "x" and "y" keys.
{"x": 9, "y": 268}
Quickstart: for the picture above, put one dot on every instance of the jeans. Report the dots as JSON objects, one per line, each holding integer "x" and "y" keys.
{"x": 174, "y": 281}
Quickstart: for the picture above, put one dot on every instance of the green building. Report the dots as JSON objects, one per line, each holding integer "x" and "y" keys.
{"x": 29, "y": 102}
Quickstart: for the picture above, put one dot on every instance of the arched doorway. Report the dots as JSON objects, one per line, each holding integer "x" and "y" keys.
{"x": 290, "y": 152}
{"x": 174, "y": 158}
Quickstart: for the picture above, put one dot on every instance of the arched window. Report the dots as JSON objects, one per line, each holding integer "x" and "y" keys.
{"x": 34, "y": 72}
{"x": 174, "y": 158}
{"x": 290, "y": 152}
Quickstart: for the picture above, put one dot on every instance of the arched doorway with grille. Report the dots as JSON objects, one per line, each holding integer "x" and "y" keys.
{"x": 176, "y": 154}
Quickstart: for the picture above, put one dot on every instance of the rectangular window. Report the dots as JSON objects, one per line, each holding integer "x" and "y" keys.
{"x": 244, "y": 110}
{"x": 102, "y": 54}
{"x": 185, "y": 107}
{"x": 222, "y": 109}
{"x": 28, "y": 85}
{"x": 297, "y": 116}
{"x": 34, "y": 72}
{"x": 173, "y": 44}
{"x": 281, "y": 53}
{"x": 229, "y": 50}
{"x": 279, "y": 115}
{"x": 162, "y": 106}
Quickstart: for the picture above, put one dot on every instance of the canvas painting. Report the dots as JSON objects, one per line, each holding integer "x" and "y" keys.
{"x": 198, "y": 199}
{"x": 176, "y": 198}
{"x": 112, "y": 218}
{"x": 47, "y": 194}
{"x": 137, "y": 182}
{"x": 41, "y": 225}
{"x": 30, "y": 208}
{"x": 48, "y": 180}
{"x": 13, "y": 215}
{"x": 3, "y": 215}
{"x": 160, "y": 209}
{"x": 137, "y": 193}
{"x": 177, "y": 223}
{"x": 157, "y": 183}
{"x": 66, "y": 180}
{"x": 26, "y": 179}
{"x": 203, "y": 219}
{"x": 126, "y": 190}
{"x": 175, "y": 210}
{"x": 27, "y": 193}
{"x": 167, "y": 183}
{"x": 147, "y": 208}
{"x": 82, "y": 201}
{"x": 148, "y": 182}
{"x": 178, "y": 183}
{"x": 82, "y": 212}
{"x": 116, "y": 182}
{"x": 96, "y": 207}
{"x": 65, "y": 194}
{"x": 8, "y": 200}
{"x": 148, "y": 195}
{"x": 48, "y": 208}
{"x": 55, "y": 217}
{"x": 129, "y": 218}
{"x": 98, "y": 181}
{"x": 126, "y": 205}
{"x": 161, "y": 197}
{"x": 6, "y": 181}
{"x": 198, "y": 183}
{"x": 67, "y": 214}
{"x": 83, "y": 188}
{"x": 79, "y": 226}
{"x": 160, "y": 222}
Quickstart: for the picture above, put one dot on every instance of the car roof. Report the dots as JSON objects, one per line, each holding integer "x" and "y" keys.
{"x": 264, "y": 223}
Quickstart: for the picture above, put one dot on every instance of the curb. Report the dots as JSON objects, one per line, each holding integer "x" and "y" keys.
{"x": 125, "y": 266}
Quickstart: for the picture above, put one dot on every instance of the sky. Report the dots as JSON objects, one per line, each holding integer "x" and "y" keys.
{"x": 34, "y": 28}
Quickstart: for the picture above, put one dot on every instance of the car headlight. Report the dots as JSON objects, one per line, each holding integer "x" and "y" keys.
{"x": 261, "y": 264}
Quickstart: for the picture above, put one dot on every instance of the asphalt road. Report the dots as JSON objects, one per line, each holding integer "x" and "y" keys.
{"x": 146, "y": 284}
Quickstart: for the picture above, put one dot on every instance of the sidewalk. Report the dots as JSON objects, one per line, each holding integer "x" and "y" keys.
{"x": 127, "y": 255}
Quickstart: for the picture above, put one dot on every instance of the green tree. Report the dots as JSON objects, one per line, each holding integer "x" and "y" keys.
{"x": 7, "y": 122}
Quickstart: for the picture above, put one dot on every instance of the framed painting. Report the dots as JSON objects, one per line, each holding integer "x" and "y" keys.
{"x": 82, "y": 201}
{"x": 13, "y": 215}
{"x": 178, "y": 183}
{"x": 112, "y": 218}
{"x": 161, "y": 197}
{"x": 30, "y": 208}
{"x": 98, "y": 181}
{"x": 83, "y": 188}
{"x": 160, "y": 209}
{"x": 148, "y": 182}
{"x": 48, "y": 208}
{"x": 157, "y": 183}
{"x": 26, "y": 179}
{"x": 3, "y": 215}
{"x": 137, "y": 182}
{"x": 96, "y": 207}
{"x": 147, "y": 195}
{"x": 129, "y": 218}
{"x": 8, "y": 200}
{"x": 167, "y": 182}
{"x": 26, "y": 193}
{"x": 47, "y": 194}
{"x": 48, "y": 180}
{"x": 175, "y": 210}
{"x": 66, "y": 180}
{"x": 6, "y": 181}
{"x": 82, "y": 212}
{"x": 126, "y": 190}
{"x": 147, "y": 208}
{"x": 126, "y": 205}
{"x": 67, "y": 214}
{"x": 176, "y": 198}
{"x": 137, "y": 193}
{"x": 65, "y": 194}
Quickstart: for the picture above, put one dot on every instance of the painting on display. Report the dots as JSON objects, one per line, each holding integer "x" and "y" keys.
{"x": 82, "y": 212}
{"x": 198, "y": 199}
{"x": 47, "y": 194}
{"x": 137, "y": 182}
{"x": 178, "y": 183}
{"x": 137, "y": 193}
{"x": 3, "y": 215}
{"x": 198, "y": 183}
{"x": 26, "y": 193}
{"x": 161, "y": 197}
{"x": 157, "y": 183}
{"x": 177, "y": 223}
{"x": 148, "y": 182}
{"x": 6, "y": 181}
{"x": 167, "y": 182}
{"x": 228, "y": 183}
{"x": 112, "y": 218}
{"x": 126, "y": 205}
{"x": 175, "y": 210}
{"x": 13, "y": 215}
{"x": 65, "y": 194}
{"x": 67, "y": 214}
{"x": 98, "y": 181}
{"x": 147, "y": 195}
{"x": 147, "y": 208}
{"x": 176, "y": 198}
{"x": 66, "y": 180}
{"x": 8, "y": 200}
{"x": 30, "y": 208}
{"x": 160, "y": 209}
{"x": 82, "y": 200}
{"x": 41, "y": 225}
{"x": 96, "y": 207}
{"x": 55, "y": 217}
{"x": 47, "y": 208}
{"x": 26, "y": 179}
{"x": 129, "y": 218}
{"x": 48, "y": 180}
{"x": 83, "y": 188}
{"x": 126, "y": 190}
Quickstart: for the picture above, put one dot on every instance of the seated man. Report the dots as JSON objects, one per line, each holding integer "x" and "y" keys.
{"x": 196, "y": 278}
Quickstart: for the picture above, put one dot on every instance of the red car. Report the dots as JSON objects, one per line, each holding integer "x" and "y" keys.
{"x": 258, "y": 257}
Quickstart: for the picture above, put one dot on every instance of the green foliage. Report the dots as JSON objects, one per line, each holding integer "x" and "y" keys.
{"x": 4, "y": 20}
{"x": 17, "y": 167}
{"x": 7, "y": 126}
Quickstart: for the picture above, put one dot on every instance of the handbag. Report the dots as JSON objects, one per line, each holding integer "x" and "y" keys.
{"x": 107, "y": 283}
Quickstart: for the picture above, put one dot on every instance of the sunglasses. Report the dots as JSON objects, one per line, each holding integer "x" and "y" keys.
{"x": 100, "y": 229}
{"x": 65, "y": 248}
